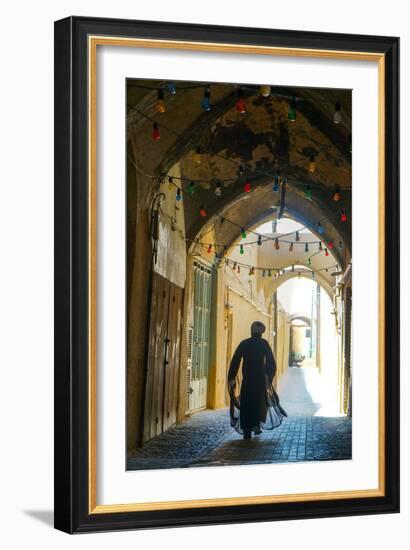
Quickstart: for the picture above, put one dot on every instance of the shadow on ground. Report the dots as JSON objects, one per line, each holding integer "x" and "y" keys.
{"x": 43, "y": 516}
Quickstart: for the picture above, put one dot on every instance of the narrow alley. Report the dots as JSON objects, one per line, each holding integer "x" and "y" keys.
{"x": 238, "y": 216}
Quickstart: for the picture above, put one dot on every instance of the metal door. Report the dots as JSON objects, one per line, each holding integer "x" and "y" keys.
{"x": 201, "y": 334}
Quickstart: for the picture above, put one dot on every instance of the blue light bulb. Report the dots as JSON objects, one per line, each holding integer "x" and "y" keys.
{"x": 276, "y": 183}
{"x": 205, "y": 104}
{"x": 171, "y": 88}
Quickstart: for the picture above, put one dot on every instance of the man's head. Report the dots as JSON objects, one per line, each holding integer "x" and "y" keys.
{"x": 257, "y": 328}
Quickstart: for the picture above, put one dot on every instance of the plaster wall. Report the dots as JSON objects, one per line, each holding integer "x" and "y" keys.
{"x": 171, "y": 257}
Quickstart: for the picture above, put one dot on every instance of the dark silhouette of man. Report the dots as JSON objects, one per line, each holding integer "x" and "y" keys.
{"x": 258, "y": 370}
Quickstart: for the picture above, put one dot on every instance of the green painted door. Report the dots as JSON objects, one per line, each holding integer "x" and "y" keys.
{"x": 201, "y": 335}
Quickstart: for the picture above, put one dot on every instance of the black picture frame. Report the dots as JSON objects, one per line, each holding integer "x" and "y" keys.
{"x": 71, "y": 458}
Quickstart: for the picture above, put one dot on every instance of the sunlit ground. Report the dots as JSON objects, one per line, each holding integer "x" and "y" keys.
{"x": 305, "y": 392}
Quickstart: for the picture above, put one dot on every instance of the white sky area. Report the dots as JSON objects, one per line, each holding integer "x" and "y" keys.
{"x": 284, "y": 225}
{"x": 295, "y": 295}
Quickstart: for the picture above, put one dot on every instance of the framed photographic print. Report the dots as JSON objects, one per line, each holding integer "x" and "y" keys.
{"x": 226, "y": 274}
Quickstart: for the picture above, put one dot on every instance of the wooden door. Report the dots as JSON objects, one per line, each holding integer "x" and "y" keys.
{"x": 201, "y": 335}
{"x": 172, "y": 358}
{"x": 163, "y": 357}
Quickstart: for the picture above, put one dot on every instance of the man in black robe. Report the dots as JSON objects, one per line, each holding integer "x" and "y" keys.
{"x": 258, "y": 370}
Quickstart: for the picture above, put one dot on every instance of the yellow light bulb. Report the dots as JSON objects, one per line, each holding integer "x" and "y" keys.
{"x": 198, "y": 156}
{"x": 160, "y": 106}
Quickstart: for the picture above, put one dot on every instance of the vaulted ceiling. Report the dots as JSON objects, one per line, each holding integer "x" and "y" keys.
{"x": 262, "y": 139}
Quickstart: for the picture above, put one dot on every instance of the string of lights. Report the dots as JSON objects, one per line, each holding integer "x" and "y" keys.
{"x": 278, "y": 180}
{"x": 274, "y": 271}
{"x": 203, "y": 213}
{"x": 242, "y": 167}
{"x": 263, "y": 237}
{"x": 277, "y": 240}
{"x": 221, "y": 249}
{"x": 265, "y": 90}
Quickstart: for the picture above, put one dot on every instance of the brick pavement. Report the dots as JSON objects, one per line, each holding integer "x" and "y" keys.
{"x": 206, "y": 439}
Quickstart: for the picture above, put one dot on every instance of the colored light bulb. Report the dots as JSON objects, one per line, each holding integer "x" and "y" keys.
{"x": 326, "y": 252}
{"x": 265, "y": 90}
{"x": 171, "y": 88}
{"x": 159, "y": 104}
{"x": 343, "y": 216}
{"x": 206, "y": 101}
{"x": 312, "y": 164}
{"x": 330, "y": 245}
{"x": 209, "y": 249}
{"x": 218, "y": 189}
{"x": 292, "y": 110}
{"x": 241, "y": 170}
{"x": 240, "y": 103}
{"x": 243, "y": 233}
{"x": 205, "y": 104}
{"x": 241, "y": 249}
{"x": 336, "y": 195}
{"x": 202, "y": 212}
{"x": 337, "y": 115}
{"x": 308, "y": 192}
{"x": 198, "y": 156}
{"x": 179, "y": 195}
{"x": 247, "y": 186}
{"x": 155, "y": 132}
{"x": 170, "y": 183}
{"x": 320, "y": 246}
{"x": 276, "y": 183}
{"x": 320, "y": 228}
{"x": 191, "y": 188}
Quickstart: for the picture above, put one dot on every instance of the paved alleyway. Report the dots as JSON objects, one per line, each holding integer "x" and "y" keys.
{"x": 207, "y": 439}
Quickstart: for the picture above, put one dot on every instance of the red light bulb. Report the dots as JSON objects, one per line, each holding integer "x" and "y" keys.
{"x": 209, "y": 249}
{"x": 343, "y": 216}
{"x": 330, "y": 245}
{"x": 247, "y": 187}
{"x": 202, "y": 212}
{"x": 155, "y": 132}
{"x": 240, "y": 104}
